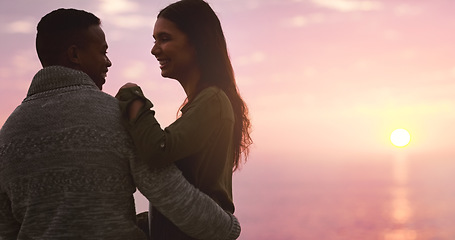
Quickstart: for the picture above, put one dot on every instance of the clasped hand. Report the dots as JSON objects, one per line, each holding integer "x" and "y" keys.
{"x": 134, "y": 106}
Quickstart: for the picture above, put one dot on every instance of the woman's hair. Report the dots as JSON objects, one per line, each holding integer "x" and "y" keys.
{"x": 199, "y": 22}
{"x": 60, "y": 29}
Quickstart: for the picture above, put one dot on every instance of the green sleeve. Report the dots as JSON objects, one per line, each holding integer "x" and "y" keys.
{"x": 188, "y": 135}
{"x": 194, "y": 130}
{"x": 146, "y": 132}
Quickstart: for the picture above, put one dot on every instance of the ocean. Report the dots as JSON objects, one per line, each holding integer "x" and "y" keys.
{"x": 396, "y": 197}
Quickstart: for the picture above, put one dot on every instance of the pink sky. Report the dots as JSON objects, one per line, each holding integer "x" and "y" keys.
{"x": 320, "y": 74}
{"x": 328, "y": 78}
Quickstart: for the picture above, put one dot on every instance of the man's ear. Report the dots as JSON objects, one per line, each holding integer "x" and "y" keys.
{"x": 72, "y": 53}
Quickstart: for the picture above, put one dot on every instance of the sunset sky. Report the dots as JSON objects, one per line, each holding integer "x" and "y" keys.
{"x": 323, "y": 79}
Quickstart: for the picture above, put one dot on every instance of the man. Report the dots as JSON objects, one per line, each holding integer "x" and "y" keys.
{"x": 67, "y": 168}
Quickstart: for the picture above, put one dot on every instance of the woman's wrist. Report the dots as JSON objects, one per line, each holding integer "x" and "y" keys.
{"x": 134, "y": 107}
{"x": 132, "y": 102}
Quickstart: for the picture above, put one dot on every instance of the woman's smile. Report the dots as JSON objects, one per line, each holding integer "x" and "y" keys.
{"x": 163, "y": 63}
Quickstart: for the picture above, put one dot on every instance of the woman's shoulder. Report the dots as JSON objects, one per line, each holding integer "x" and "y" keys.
{"x": 212, "y": 95}
{"x": 212, "y": 92}
{"x": 214, "y": 99}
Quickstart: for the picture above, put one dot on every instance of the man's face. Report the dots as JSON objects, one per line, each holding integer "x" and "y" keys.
{"x": 93, "y": 58}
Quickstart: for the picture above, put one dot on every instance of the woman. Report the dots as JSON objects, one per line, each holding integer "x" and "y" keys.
{"x": 209, "y": 139}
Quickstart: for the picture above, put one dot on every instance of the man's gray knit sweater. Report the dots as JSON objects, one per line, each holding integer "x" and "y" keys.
{"x": 67, "y": 170}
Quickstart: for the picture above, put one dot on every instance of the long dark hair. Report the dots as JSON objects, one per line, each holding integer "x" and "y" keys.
{"x": 199, "y": 22}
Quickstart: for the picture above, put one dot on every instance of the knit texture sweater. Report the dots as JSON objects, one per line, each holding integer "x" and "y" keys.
{"x": 68, "y": 170}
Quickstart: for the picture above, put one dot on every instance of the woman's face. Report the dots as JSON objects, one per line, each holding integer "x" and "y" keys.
{"x": 177, "y": 57}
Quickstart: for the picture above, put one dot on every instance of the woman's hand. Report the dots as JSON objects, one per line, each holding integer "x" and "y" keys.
{"x": 134, "y": 106}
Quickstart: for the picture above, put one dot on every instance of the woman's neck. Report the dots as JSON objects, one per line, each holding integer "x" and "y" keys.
{"x": 190, "y": 84}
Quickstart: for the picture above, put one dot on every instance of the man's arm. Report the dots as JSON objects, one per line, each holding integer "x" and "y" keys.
{"x": 189, "y": 209}
{"x": 9, "y": 227}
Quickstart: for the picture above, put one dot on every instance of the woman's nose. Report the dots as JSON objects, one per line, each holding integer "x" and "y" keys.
{"x": 155, "y": 50}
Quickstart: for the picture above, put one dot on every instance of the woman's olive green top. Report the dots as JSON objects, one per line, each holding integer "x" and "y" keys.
{"x": 200, "y": 142}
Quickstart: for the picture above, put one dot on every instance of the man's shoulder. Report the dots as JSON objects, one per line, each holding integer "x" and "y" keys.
{"x": 95, "y": 97}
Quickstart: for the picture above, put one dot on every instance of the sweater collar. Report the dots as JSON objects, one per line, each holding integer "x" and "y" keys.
{"x": 54, "y": 77}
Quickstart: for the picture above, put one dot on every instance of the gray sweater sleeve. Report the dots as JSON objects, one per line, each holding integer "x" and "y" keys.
{"x": 191, "y": 210}
{"x": 9, "y": 227}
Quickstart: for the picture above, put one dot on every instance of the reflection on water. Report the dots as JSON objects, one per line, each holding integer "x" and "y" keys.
{"x": 367, "y": 198}
{"x": 400, "y": 234}
{"x": 401, "y": 210}
{"x": 400, "y": 170}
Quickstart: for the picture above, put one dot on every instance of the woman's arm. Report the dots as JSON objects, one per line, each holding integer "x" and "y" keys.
{"x": 148, "y": 137}
{"x": 188, "y": 135}
{"x": 189, "y": 209}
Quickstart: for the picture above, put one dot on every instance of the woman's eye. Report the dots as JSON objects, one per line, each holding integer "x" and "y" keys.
{"x": 162, "y": 39}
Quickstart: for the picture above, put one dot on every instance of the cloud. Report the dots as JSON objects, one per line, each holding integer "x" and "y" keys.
{"x": 132, "y": 21}
{"x": 112, "y": 7}
{"x": 301, "y": 21}
{"x": 415, "y": 110}
{"x": 253, "y": 58}
{"x": 21, "y": 26}
{"x": 135, "y": 70}
{"x": 349, "y": 5}
{"x": 124, "y": 14}
{"x": 25, "y": 61}
{"x": 407, "y": 10}
{"x": 297, "y": 21}
{"x": 18, "y": 70}
{"x": 391, "y": 34}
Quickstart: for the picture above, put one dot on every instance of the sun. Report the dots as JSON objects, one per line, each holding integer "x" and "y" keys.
{"x": 400, "y": 137}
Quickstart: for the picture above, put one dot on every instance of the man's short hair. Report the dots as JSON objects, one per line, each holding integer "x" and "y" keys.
{"x": 60, "y": 29}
